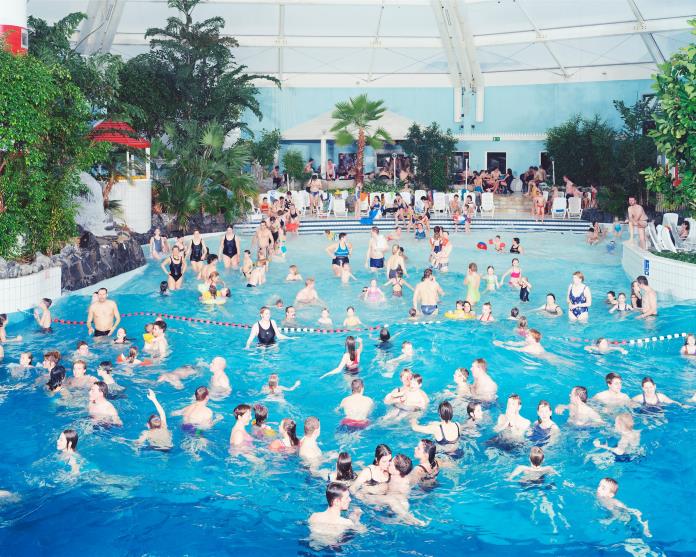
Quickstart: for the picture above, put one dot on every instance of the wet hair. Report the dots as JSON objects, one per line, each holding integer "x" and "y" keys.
{"x": 240, "y": 410}
{"x": 552, "y": 295}
{"x": 290, "y": 427}
{"x": 342, "y": 235}
{"x": 516, "y": 240}
{"x": 161, "y": 324}
{"x": 70, "y": 438}
{"x": 613, "y": 484}
{"x": 445, "y": 410}
{"x": 103, "y": 387}
{"x": 357, "y": 385}
{"x": 642, "y": 279}
{"x": 163, "y": 287}
{"x": 626, "y": 420}
{"x": 427, "y": 274}
{"x": 201, "y": 393}
{"x": 211, "y": 257}
{"x": 647, "y": 380}
{"x": 611, "y": 376}
{"x": 579, "y": 275}
{"x": 403, "y": 464}
{"x": 463, "y": 371}
{"x": 482, "y": 364}
{"x": 260, "y": 414}
{"x": 334, "y": 491}
{"x": 3, "y": 319}
{"x": 471, "y": 408}
{"x": 47, "y": 302}
{"x": 514, "y": 312}
{"x": 522, "y": 322}
{"x": 412, "y": 312}
{"x": 81, "y": 363}
{"x": 311, "y": 424}
{"x": 56, "y": 378}
{"x": 612, "y": 293}
{"x": 516, "y": 397}
{"x": 536, "y": 456}
{"x": 81, "y": 343}
{"x": 273, "y": 380}
{"x": 350, "y": 348}
{"x": 580, "y": 392}
{"x": 473, "y": 267}
{"x": 418, "y": 378}
{"x": 30, "y": 357}
{"x": 154, "y": 421}
{"x": 536, "y": 335}
{"x": 430, "y": 449}
{"x": 543, "y": 403}
{"x": 106, "y": 366}
{"x": 344, "y": 467}
{"x": 381, "y": 451}
{"x": 488, "y": 305}
{"x": 384, "y": 334}
{"x": 104, "y": 289}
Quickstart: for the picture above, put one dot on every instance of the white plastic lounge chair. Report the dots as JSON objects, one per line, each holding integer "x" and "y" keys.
{"x": 406, "y": 196}
{"x": 417, "y": 196}
{"x": 339, "y": 207}
{"x": 558, "y": 209}
{"x": 671, "y": 220}
{"x": 439, "y": 202}
{"x": 487, "y": 204}
{"x": 654, "y": 237}
{"x": 574, "y": 208}
{"x": 388, "y": 199}
{"x": 690, "y": 242}
{"x": 666, "y": 240}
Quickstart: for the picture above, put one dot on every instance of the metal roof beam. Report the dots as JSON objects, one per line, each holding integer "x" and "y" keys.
{"x": 98, "y": 31}
{"x": 648, "y": 39}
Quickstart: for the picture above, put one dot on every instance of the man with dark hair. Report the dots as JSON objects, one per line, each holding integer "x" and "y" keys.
{"x": 579, "y": 412}
{"x": 100, "y": 409}
{"x": 330, "y": 521}
{"x": 613, "y": 396}
{"x": 105, "y": 315}
{"x": 648, "y": 296}
{"x": 197, "y": 414}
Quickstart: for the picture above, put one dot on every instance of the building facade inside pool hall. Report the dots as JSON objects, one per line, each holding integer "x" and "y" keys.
{"x": 514, "y": 121}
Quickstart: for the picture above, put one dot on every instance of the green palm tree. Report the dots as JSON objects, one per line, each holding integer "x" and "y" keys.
{"x": 355, "y": 122}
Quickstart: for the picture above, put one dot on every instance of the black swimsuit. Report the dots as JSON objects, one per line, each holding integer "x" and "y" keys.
{"x": 196, "y": 251}
{"x": 372, "y": 482}
{"x": 514, "y": 249}
{"x": 229, "y": 247}
{"x": 444, "y": 441}
{"x": 266, "y": 336}
{"x": 175, "y": 268}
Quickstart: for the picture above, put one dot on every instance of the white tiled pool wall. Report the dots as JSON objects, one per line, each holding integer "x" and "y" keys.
{"x": 666, "y": 276}
{"x": 23, "y": 293}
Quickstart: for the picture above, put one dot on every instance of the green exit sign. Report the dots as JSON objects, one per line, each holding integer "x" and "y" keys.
{"x": 496, "y": 138}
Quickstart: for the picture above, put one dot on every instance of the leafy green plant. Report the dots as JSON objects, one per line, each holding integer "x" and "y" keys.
{"x": 431, "y": 148}
{"x": 202, "y": 175}
{"x": 675, "y": 127}
{"x": 583, "y": 150}
{"x": 264, "y": 149}
{"x": 293, "y": 163}
{"x": 355, "y": 123}
{"x": 44, "y": 122}
{"x": 383, "y": 185}
{"x": 189, "y": 74}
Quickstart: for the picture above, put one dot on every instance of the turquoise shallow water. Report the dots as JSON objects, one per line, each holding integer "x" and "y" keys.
{"x": 201, "y": 501}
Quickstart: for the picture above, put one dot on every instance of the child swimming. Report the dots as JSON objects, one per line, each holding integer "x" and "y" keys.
{"x": 373, "y": 293}
{"x": 491, "y": 279}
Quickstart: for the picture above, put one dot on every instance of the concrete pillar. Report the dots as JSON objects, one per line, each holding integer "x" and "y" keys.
{"x": 323, "y": 157}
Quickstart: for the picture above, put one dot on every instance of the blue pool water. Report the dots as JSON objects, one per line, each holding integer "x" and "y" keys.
{"x": 201, "y": 501}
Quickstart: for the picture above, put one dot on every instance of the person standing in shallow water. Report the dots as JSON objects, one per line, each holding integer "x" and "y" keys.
{"x": 105, "y": 315}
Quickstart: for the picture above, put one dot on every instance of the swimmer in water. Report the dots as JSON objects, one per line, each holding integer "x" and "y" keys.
{"x": 629, "y": 438}
{"x": 580, "y": 413}
{"x": 621, "y": 306}
{"x": 344, "y": 473}
{"x": 491, "y": 279}
{"x": 515, "y": 272}
{"x": 310, "y": 453}
{"x": 544, "y": 430}
{"x": 398, "y": 395}
{"x": 274, "y": 388}
{"x": 602, "y": 346}
{"x": 486, "y": 313}
{"x": 374, "y": 478}
{"x": 405, "y": 356}
{"x": 461, "y": 380}
{"x": 100, "y": 409}
{"x": 80, "y": 379}
{"x": 649, "y": 398}
{"x": 265, "y": 330}
{"x": 612, "y": 396}
{"x": 239, "y": 437}
{"x": 157, "y": 435}
{"x": 531, "y": 344}
{"x": 174, "y": 378}
{"x": 288, "y": 441}
{"x": 219, "y": 382}
{"x": 535, "y": 471}
{"x": 606, "y": 497}
{"x": 689, "y": 348}
{"x": 374, "y": 294}
{"x": 329, "y": 524}
{"x": 158, "y": 346}
{"x": 356, "y": 406}
{"x": 511, "y": 424}
{"x": 259, "y": 427}
{"x": 428, "y": 467}
{"x": 325, "y": 318}
{"x": 397, "y": 283}
{"x": 197, "y": 415}
{"x": 550, "y": 308}
{"x": 293, "y": 274}
{"x": 483, "y": 387}
{"x": 308, "y": 295}
{"x": 67, "y": 445}
{"x": 445, "y": 432}
{"x": 350, "y": 361}
{"x": 42, "y": 315}
{"x": 351, "y": 319}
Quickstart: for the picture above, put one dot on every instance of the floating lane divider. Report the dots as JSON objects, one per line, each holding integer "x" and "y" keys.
{"x": 629, "y": 342}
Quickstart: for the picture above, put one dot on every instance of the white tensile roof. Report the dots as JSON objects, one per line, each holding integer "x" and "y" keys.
{"x": 316, "y": 128}
{"x": 467, "y": 43}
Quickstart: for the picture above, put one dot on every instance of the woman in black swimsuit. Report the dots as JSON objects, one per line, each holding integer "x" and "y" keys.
{"x": 374, "y": 479}
{"x": 197, "y": 251}
{"x": 265, "y": 330}
{"x": 230, "y": 248}
{"x": 446, "y": 432}
{"x": 516, "y": 247}
{"x": 428, "y": 467}
{"x": 174, "y": 267}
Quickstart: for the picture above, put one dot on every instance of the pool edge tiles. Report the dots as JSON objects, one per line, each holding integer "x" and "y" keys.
{"x": 666, "y": 276}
